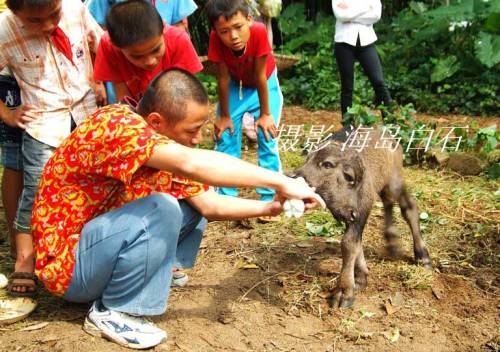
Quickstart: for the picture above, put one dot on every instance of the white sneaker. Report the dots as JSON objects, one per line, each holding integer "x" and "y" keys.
{"x": 179, "y": 279}
{"x": 122, "y": 328}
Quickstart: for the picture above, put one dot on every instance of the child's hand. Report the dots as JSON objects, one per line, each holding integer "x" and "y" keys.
{"x": 266, "y": 123}
{"x": 273, "y": 208}
{"x": 297, "y": 188}
{"x": 21, "y": 116}
{"x": 221, "y": 124}
{"x": 342, "y": 5}
{"x": 100, "y": 94}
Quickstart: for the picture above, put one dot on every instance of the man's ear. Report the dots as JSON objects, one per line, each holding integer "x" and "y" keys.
{"x": 154, "y": 120}
{"x": 250, "y": 19}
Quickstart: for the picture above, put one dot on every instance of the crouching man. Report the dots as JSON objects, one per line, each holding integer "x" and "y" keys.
{"x": 122, "y": 200}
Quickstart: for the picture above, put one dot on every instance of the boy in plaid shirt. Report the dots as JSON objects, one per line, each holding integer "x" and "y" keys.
{"x": 47, "y": 45}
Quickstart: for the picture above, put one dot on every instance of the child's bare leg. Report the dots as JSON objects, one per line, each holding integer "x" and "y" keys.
{"x": 12, "y": 186}
{"x": 24, "y": 262}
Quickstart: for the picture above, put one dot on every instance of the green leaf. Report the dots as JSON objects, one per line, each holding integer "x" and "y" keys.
{"x": 488, "y": 131}
{"x": 493, "y": 171}
{"x": 444, "y": 68}
{"x": 487, "y": 49}
{"x": 418, "y": 7}
{"x": 492, "y": 23}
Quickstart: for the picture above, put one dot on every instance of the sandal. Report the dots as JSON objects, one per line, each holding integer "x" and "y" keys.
{"x": 30, "y": 288}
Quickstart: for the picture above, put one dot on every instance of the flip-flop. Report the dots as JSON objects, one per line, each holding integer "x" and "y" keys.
{"x": 15, "y": 309}
{"x": 22, "y": 276}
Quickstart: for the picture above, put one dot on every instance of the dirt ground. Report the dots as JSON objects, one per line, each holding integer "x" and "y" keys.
{"x": 264, "y": 288}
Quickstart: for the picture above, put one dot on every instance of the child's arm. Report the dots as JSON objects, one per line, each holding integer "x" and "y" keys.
{"x": 265, "y": 121}
{"x": 18, "y": 117}
{"x": 94, "y": 32}
{"x": 121, "y": 90}
{"x": 224, "y": 121}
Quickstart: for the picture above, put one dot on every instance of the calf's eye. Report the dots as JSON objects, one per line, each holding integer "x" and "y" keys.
{"x": 349, "y": 178}
{"x": 326, "y": 165}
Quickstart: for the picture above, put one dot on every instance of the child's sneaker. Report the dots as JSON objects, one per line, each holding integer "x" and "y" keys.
{"x": 122, "y": 328}
{"x": 248, "y": 125}
{"x": 179, "y": 279}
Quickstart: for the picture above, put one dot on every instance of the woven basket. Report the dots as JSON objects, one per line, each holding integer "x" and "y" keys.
{"x": 283, "y": 62}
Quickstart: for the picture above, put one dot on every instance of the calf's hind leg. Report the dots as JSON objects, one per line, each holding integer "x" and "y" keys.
{"x": 390, "y": 234}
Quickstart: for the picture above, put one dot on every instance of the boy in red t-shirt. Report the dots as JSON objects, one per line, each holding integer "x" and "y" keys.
{"x": 138, "y": 46}
{"x": 247, "y": 82}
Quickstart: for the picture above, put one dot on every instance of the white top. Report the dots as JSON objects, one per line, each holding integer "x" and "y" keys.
{"x": 356, "y": 17}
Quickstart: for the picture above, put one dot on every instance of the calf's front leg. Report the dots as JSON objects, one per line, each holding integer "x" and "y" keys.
{"x": 344, "y": 293}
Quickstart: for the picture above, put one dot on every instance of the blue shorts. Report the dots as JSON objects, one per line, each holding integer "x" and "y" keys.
{"x": 12, "y": 156}
{"x": 10, "y": 137}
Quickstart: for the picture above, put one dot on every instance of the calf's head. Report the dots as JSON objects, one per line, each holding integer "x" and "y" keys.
{"x": 337, "y": 176}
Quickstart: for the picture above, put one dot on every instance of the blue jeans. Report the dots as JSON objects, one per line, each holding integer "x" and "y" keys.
{"x": 125, "y": 257}
{"x": 267, "y": 151}
{"x": 35, "y": 155}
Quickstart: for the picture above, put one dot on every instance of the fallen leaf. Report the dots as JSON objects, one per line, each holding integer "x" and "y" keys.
{"x": 397, "y": 299}
{"x": 436, "y": 292}
{"x": 244, "y": 264}
{"x": 304, "y": 245}
{"x": 303, "y": 277}
{"x": 250, "y": 266}
{"x": 389, "y": 308}
{"x": 35, "y": 327}
{"x": 325, "y": 294}
{"x": 226, "y": 318}
{"x": 392, "y": 336}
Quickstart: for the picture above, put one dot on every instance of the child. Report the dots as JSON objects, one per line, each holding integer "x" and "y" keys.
{"x": 138, "y": 47}
{"x": 173, "y": 12}
{"x": 12, "y": 156}
{"x": 247, "y": 82}
{"x": 46, "y": 44}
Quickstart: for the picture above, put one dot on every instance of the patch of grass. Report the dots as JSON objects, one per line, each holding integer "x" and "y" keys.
{"x": 291, "y": 161}
{"x": 415, "y": 277}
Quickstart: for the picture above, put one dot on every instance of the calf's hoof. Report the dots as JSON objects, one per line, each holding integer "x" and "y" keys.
{"x": 360, "y": 281}
{"x": 422, "y": 258}
{"x": 340, "y": 299}
{"x": 393, "y": 249}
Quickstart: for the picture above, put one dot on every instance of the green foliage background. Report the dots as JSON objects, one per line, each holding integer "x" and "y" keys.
{"x": 442, "y": 59}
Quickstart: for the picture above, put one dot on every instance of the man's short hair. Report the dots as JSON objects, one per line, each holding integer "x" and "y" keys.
{"x": 133, "y": 22}
{"x": 170, "y": 92}
{"x": 226, "y": 8}
{"x": 18, "y": 5}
